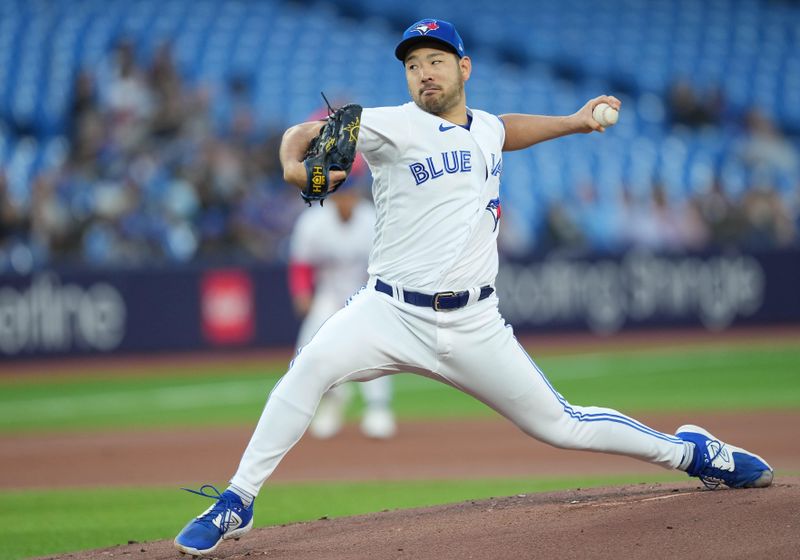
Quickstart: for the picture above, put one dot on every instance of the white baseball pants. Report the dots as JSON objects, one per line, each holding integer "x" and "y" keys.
{"x": 376, "y": 393}
{"x": 471, "y": 349}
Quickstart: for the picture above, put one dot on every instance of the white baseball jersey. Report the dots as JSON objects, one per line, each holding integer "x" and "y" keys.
{"x": 337, "y": 250}
{"x": 436, "y": 190}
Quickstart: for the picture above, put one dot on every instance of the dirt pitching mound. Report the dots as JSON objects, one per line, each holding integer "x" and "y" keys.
{"x": 641, "y": 521}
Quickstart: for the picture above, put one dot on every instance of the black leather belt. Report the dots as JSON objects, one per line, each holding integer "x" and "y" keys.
{"x": 441, "y": 301}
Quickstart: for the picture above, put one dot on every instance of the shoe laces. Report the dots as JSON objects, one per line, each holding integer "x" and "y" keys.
{"x": 223, "y": 507}
{"x": 709, "y": 481}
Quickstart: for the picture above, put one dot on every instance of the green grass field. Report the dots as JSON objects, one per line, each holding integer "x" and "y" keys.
{"x": 736, "y": 377}
{"x": 730, "y": 377}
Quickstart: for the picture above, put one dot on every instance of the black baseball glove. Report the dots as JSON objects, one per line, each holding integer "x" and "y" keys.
{"x": 334, "y": 148}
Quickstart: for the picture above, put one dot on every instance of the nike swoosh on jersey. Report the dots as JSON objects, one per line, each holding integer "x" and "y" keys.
{"x": 443, "y": 128}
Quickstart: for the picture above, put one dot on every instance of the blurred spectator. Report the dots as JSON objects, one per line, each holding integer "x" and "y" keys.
{"x": 12, "y": 222}
{"x": 765, "y": 150}
{"x": 130, "y": 100}
{"x": 660, "y": 224}
{"x": 88, "y": 140}
{"x": 768, "y": 223}
{"x": 723, "y": 219}
{"x": 85, "y": 102}
{"x": 51, "y": 224}
{"x": 600, "y": 219}
{"x": 680, "y": 222}
{"x": 167, "y": 95}
{"x": 15, "y": 250}
{"x": 688, "y": 108}
{"x": 639, "y": 230}
{"x": 559, "y": 231}
{"x": 241, "y": 118}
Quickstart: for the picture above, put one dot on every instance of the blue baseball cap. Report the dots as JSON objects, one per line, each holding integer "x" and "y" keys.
{"x": 430, "y": 30}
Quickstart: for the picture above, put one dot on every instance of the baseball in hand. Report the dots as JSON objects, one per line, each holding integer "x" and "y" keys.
{"x": 605, "y": 114}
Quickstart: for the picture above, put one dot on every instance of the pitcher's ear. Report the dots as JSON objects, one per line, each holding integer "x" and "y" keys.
{"x": 465, "y": 64}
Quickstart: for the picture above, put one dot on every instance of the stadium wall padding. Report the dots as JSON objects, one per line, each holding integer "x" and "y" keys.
{"x": 85, "y": 312}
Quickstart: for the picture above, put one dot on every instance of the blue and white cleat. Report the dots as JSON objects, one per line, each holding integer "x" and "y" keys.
{"x": 226, "y": 519}
{"x": 716, "y": 462}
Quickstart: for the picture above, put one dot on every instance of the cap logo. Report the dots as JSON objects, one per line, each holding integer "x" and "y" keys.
{"x": 424, "y": 27}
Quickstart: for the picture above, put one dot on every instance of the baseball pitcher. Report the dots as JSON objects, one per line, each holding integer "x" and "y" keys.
{"x": 430, "y": 305}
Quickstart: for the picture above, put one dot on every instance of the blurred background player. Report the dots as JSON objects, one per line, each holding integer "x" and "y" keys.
{"x": 328, "y": 255}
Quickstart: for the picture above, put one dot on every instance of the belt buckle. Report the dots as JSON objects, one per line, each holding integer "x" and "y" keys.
{"x": 439, "y": 295}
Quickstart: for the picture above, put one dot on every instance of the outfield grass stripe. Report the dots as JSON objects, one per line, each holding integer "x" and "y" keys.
{"x": 170, "y": 398}
{"x": 192, "y": 397}
{"x": 759, "y": 377}
{"x": 167, "y": 398}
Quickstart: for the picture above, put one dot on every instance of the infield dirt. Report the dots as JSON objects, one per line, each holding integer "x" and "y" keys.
{"x": 423, "y": 450}
{"x": 642, "y": 521}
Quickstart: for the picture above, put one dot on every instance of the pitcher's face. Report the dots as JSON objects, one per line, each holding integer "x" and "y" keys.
{"x": 436, "y": 79}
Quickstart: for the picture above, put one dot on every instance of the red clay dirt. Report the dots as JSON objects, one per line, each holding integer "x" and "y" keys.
{"x": 422, "y": 450}
{"x": 642, "y": 521}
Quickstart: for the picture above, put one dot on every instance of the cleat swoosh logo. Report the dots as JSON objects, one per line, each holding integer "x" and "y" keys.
{"x": 443, "y": 128}
{"x": 234, "y": 521}
{"x": 721, "y": 456}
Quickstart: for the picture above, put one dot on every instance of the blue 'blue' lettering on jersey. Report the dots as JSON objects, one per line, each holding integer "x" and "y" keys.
{"x": 456, "y": 161}
{"x": 450, "y": 166}
{"x": 435, "y": 173}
